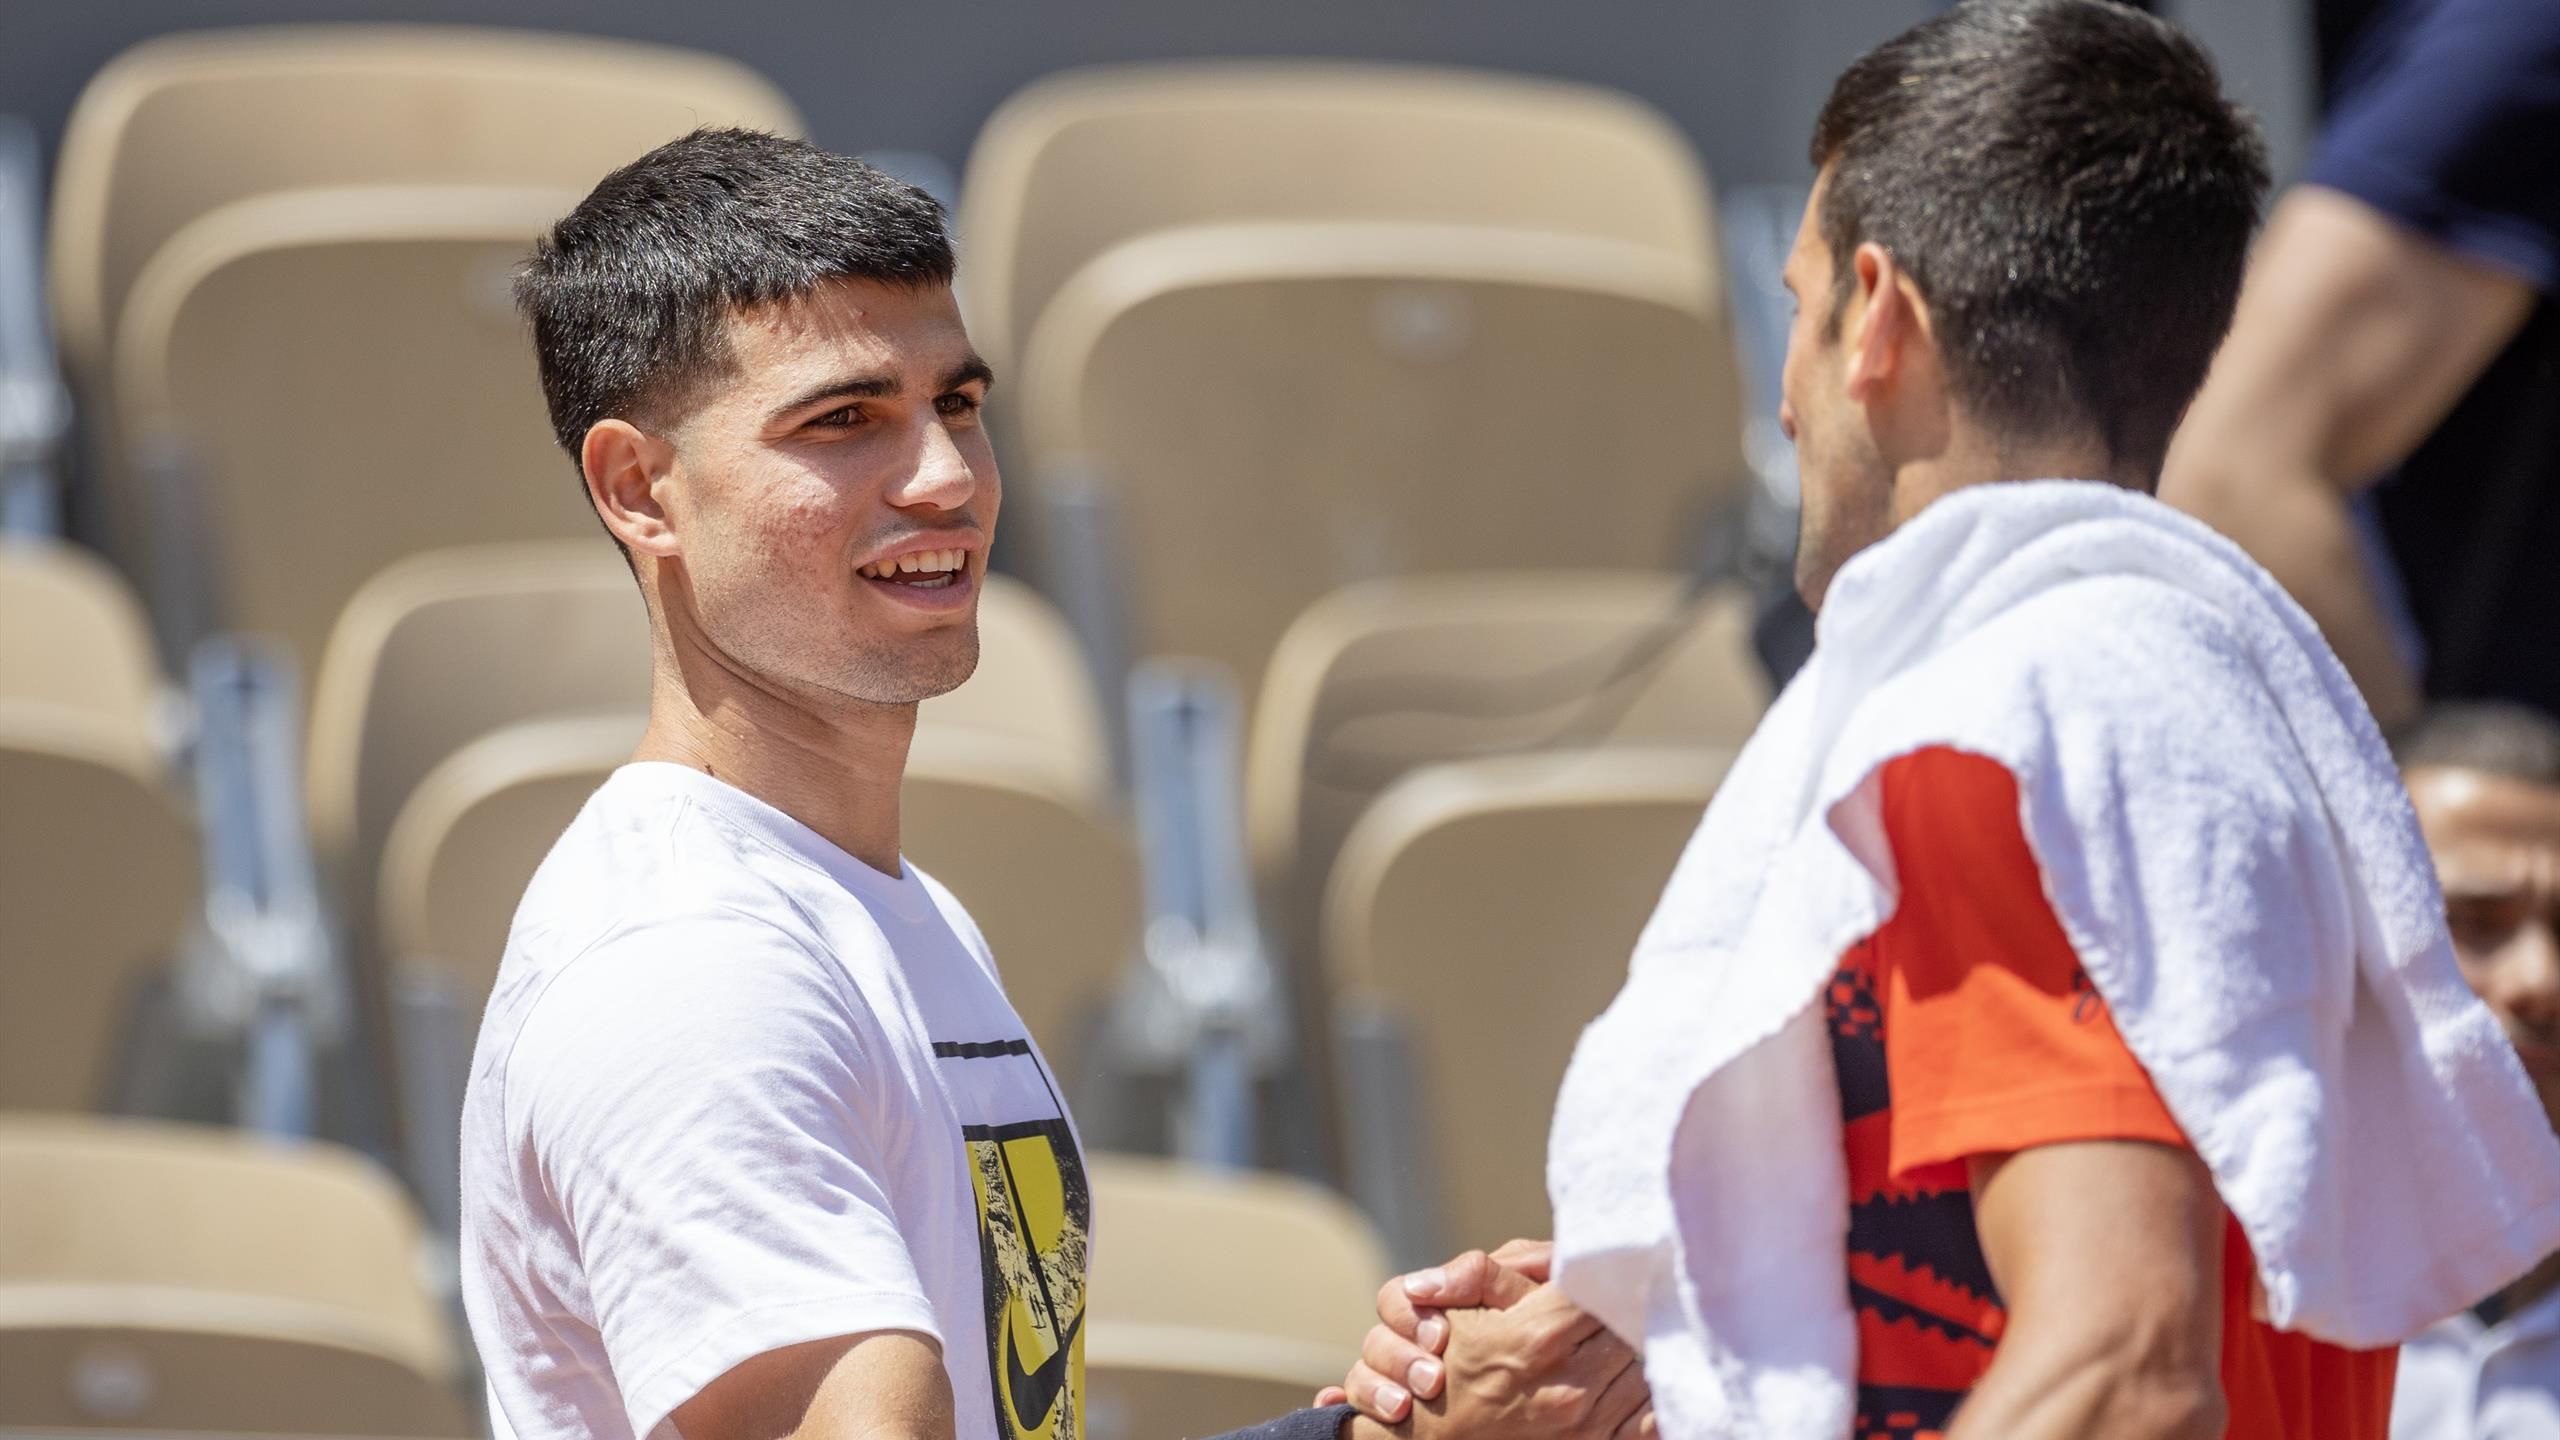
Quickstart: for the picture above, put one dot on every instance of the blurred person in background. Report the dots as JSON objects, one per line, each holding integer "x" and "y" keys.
{"x": 2397, "y": 326}
{"x": 2486, "y": 782}
{"x": 754, "y": 1144}
{"x": 2052, "y": 1029}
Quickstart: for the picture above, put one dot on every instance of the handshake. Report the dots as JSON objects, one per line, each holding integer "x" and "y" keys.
{"x": 1484, "y": 1348}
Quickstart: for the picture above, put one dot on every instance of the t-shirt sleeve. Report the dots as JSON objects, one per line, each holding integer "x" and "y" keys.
{"x": 2448, "y": 121}
{"x": 703, "y": 1101}
{"x": 1994, "y": 1037}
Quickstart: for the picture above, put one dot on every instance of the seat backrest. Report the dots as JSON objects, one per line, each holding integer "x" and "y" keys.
{"x": 1172, "y": 1239}
{"x": 1358, "y": 403}
{"x": 1050, "y": 879}
{"x": 267, "y": 338}
{"x": 1045, "y": 868}
{"x": 73, "y": 639}
{"x": 162, "y": 1276}
{"x": 1168, "y": 1351}
{"x": 1489, "y": 907}
{"x": 99, "y": 879}
{"x": 471, "y": 832}
{"x": 98, "y": 861}
{"x": 1033, "y": 690}
{"x": 182, "y": 124}
{"x": 1382, "y": 678}
{"x": 1081, "y": 161}
{"x": 446, "y": 647}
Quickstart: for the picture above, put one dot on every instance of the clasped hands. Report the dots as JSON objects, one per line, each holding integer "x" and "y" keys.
{"x": 1484, "y": 1348}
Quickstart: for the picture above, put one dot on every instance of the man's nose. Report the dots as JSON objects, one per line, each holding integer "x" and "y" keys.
{"x": 1787, "y": 419}
{"x": 2526, "y": 983}
{"x": 942, "y": 479}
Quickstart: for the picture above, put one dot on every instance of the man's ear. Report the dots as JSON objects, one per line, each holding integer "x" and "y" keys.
{"x": 624, "y": 467}
{"x": 1887, "y": 323}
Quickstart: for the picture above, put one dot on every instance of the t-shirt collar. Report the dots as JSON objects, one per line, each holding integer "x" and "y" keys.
{"x": 902, "y": 893}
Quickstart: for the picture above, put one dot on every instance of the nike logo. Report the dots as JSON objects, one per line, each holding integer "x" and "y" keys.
{"x": 1035, "y": 1392}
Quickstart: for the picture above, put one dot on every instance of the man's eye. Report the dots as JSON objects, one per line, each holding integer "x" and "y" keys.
{"x": 840, "y": 417}
{"x": 956, "y": 404}
{"x": 2478, "y": 925}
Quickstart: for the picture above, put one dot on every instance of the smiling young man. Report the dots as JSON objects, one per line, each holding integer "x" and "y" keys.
{"x": 754, "y": 1144}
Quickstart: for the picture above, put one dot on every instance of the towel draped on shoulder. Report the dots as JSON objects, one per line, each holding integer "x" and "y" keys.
{"x": 2222, "y": 834}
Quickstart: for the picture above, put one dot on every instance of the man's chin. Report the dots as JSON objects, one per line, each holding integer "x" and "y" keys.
{"x": 914, "y": 675}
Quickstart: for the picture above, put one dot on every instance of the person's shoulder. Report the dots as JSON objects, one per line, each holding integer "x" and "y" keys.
{"x": 690, "y": 960}
{"x": 2148, "y": 682}
{"x": 675, "y": 997}
{"x": 2143, "y": 643}
{"x": 641, "y": 855}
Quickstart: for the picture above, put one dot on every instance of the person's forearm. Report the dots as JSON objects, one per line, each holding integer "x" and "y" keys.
{"x": 2024, "y": 1397}
{"x": 2297, "y": 523}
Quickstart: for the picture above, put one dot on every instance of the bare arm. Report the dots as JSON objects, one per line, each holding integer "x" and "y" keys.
{"x": 888, "y": 1385}
{"x": 2354, "y": 339}
{"x": 2109, "y": 1257}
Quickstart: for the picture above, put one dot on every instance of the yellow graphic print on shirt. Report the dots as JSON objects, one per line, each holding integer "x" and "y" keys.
{"x": 1034, "y": 1211}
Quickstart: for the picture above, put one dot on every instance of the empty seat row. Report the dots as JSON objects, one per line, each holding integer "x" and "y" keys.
{"x": 1419, "y": 324}
{"x": 168, "y": 1278}
{"x": 1412, "y": 315}
{"x": 98, "y": 854}
{"x": 472, "y": 699}
{"x": 280, "y": 278}
{"x": 1298, "y": 326}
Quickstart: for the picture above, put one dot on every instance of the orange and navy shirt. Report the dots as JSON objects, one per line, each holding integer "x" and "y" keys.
{"x": 1965, "y": 1026}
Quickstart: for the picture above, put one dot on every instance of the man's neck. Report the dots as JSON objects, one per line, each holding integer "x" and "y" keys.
{"x": 1970, "y": 457}
{"x": 833, "y": 766}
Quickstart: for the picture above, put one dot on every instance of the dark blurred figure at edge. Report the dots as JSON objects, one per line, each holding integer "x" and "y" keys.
{"x": 2382, "y": 428}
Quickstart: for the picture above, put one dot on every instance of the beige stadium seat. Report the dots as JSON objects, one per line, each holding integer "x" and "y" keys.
{"x": 349, "y": 383}
{"x": 167, "y": 1278}
{"x": 1048, "y": 876}
{"x": 472, "y": 831}
{"x": 73, "y": 637}
{"x": 1362, "y": 401}
{"x": 442, "y": 648}
{"x": 1486, "y": 909}
{"x": 1079, "y": 162}
{"x": 1043, "y": 865}
{"x": 1384, "y": 677}
{"x": 473, "y": 698}
{"x": 98, "y": 861}
{"x": 183, "y": 124}
{"x": 1219, "y": 1300}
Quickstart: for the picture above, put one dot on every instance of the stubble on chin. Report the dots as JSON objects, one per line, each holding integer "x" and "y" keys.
{"x": 915, "y": 670}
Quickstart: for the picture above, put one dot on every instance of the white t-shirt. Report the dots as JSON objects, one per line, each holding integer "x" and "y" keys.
{"x": 736, "y": 1090}
{"x": 2463, "y": 1380}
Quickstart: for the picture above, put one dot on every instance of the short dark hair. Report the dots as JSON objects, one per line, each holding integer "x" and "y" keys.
{"x": 628, "y": 296}
{"x": 2066, "y": 185}
{"x": 2496, "y": 736}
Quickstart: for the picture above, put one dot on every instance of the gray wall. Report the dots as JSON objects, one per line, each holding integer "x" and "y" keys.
{"x": 1743, "y": 77}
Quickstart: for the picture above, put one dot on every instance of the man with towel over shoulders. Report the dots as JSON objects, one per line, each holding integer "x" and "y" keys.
{"x": 2051, "y": 1030}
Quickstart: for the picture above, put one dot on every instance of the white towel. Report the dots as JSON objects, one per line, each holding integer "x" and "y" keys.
{"x": 2223, "y": 836}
